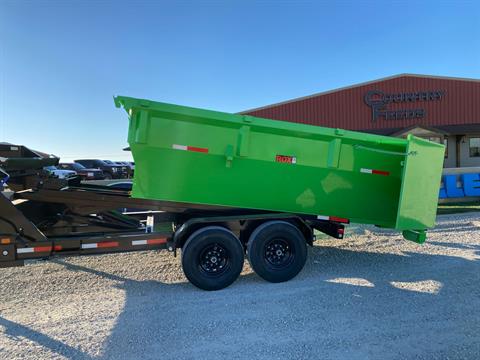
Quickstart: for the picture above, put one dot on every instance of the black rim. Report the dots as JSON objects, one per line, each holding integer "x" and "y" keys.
{"x": 279, "y": 253}
{"x": 214, "y": 260}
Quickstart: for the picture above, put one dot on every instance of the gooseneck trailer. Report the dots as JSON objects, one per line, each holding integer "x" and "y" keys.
{"x": 221, "y": 186}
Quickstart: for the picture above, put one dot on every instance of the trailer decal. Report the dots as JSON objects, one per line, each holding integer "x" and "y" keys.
{"x": 286, "y": 159}
{"x": 190, "y": 148}
{"x": 149, "y": 242}
{"x": 376, "y": 172}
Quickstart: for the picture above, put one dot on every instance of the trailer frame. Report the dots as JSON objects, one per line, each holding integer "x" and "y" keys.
{"x": 49, "y": 217}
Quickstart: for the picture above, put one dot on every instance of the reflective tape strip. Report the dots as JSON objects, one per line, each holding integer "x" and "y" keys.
{"x": 89, "y": 246}
{"x": 25, "y": 250}
{"x": 373, "y": 171}
{"x": 149, "y": 242}
{"x": 100, "y": 245}
{"x": 139, "y": 242}
{"x": 189, "y": 148}
{"x": 333, "y": 218}
{"x": 34, "y": 249}
{"x": 381, "y": 172}
{"x": 339, "y": 219}
{"x": 107, "y": 244}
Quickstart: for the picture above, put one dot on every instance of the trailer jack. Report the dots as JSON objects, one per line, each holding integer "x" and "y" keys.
{"x": 418, "y": 236}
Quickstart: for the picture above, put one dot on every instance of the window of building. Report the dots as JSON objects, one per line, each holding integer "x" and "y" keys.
{"x": 445, "y": 142}
{"x": 434, "y": 139}
{"x": 474, "y": 143}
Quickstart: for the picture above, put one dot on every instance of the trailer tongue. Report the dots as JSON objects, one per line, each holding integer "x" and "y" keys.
{"x": 219, "y": 186}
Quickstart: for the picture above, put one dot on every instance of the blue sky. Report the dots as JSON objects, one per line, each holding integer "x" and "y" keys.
{"x": 61, "y": 62}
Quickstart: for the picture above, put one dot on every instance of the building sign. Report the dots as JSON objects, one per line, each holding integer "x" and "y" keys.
{"x": 470, "y": 186}
{"x": 379, "y": 101}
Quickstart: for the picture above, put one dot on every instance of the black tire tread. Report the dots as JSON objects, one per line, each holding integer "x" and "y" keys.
{"x": 194, "y": 245}
{"x": 256, "y": 245}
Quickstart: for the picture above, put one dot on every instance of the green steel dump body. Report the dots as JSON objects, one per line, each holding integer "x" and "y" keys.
{"x": 191, "y": 155}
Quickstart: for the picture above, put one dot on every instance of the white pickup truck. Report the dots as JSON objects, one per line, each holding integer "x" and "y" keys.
{"x": 62, "y": 174}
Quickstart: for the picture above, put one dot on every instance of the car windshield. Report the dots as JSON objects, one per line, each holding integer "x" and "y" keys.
{"x": 108, "y": 162}
{"x": 50, "y": 168}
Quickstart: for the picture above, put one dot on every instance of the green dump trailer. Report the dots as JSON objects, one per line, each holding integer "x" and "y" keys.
{"x": 190, "y": 155}
{"x": 220, "y": 186}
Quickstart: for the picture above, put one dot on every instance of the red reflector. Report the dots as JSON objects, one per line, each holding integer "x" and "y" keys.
{"x": 341, "y": 231}
{"x": 107, "y": 244}
{"x": 197, "y": 149}
{"x": 42, "y": 249}
{"x": 157, "y": 241}
{"x": 380, "y": 172}
{"x": 57, "y": 248}
{"x": 339, "y": 219}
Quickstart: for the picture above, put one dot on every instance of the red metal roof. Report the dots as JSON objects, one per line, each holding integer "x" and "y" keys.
{"x": 433, "y": 100}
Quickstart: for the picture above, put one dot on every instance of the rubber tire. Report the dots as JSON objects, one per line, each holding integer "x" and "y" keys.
{"x": 108, "y": 176}
{"x": 193, "y": 248}
{"x": 256, "y": 250}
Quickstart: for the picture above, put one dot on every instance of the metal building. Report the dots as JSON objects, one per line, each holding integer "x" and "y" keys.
{"x": 441, "y": 109}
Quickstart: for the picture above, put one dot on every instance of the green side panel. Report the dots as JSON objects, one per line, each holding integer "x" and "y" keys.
{"x": 206, "y": 157}
{"x": 421, "y": 184}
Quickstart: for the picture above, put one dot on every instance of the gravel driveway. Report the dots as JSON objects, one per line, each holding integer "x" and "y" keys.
{"x": 370, "y": 296}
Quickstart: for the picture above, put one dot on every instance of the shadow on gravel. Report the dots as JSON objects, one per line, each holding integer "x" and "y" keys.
{"x": 310, "y": 316}
{"x": 313, "y": 316}
{"x": 451, "y": 245}
{"x": 455, "y": 228}
{"x": 15, "y": 330}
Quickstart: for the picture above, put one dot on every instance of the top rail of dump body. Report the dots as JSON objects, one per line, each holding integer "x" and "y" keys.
{"x": 330, "y": 176}
{"x": 308, "y": 131}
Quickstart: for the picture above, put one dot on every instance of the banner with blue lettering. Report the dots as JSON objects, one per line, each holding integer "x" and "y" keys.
{"x": 469, "y": 186}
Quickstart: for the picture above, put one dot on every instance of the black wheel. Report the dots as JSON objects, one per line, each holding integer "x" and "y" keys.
{"x": 212, "y": 258}
{"x": 277, "y": 251}
{"x": 108, "y": 176}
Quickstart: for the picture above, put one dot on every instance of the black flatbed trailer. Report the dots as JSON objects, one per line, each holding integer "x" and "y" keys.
{"x": 50, "y": 217}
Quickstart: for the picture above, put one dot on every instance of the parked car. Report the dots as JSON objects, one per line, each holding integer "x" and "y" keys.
{"x": 82, "y": 171}
{"x": 62, "y": 174}
{"x": 129, "y": 166}
{"x": 121, "y": 165}
{"x": 110, "y": 171}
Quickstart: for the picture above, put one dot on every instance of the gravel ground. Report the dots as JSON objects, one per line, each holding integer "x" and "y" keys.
{"x": 370, "y": 296}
